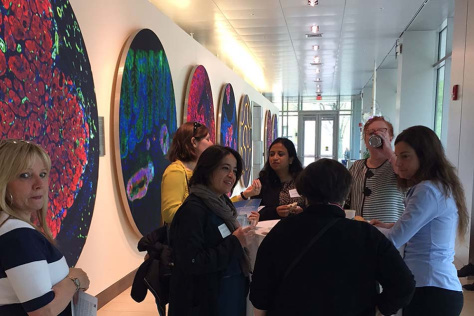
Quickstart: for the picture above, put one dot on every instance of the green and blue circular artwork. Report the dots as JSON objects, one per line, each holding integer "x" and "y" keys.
{"x": 147, "y": 121}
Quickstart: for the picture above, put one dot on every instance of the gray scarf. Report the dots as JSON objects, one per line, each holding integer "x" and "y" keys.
{"x": 223, "y": 207}
{"x": 220, "y": 205}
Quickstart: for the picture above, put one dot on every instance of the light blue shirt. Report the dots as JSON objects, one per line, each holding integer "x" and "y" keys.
{"x": 428, "y": 227}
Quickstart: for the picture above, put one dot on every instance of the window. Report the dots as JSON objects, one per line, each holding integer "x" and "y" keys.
{"x": 440, "y": 67}
{"x": 439, "y": 100}
{"x": 292, "y": 106}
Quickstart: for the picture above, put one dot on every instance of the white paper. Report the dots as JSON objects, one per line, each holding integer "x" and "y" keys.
{"x": 86, "y": 305}
{"x": 224, "y": 230}
{"x": 294, "y": 193}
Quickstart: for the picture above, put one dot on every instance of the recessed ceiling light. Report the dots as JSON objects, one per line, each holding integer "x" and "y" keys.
{"x": 315, "y": 47}
{"x": 317, "y": 59}
{"x": 318, "y": 79}
{"x": 318, "y": 70}
{"x": 312, "y": 3}
{"x": 314, "y": 29}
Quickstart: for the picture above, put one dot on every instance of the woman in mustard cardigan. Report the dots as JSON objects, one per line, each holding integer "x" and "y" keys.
{"x": 190, "y": 140}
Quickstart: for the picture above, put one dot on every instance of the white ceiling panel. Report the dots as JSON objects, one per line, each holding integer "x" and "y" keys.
{"x": 355, "y": 35}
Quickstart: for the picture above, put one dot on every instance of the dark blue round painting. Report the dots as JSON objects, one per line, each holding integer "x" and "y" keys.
{"x": 147, "y": 120}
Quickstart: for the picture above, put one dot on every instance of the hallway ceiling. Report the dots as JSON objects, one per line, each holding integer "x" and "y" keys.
{"x": 271, "y": 35}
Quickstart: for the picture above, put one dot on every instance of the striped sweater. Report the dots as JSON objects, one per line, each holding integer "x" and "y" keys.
{"x": 374, "y": 193}
{"x": 29, "y": 267}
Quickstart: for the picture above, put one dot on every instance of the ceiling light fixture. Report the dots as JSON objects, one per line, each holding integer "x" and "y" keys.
{"x": 315, "y": 47}
{"x": 317, "y": 59}
{"x": 313, "y": 3}
{"x": 318, "y": 79}
{"x": 318, "y": 70}
{"x": 315, "y": 29}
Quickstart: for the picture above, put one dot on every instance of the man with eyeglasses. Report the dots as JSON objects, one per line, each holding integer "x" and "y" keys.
{"x": 374, "y": 193}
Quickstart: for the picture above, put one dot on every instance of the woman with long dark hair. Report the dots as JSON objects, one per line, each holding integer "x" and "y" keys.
{"x": 277, "y": 180}
{"x": 435, "y": 211}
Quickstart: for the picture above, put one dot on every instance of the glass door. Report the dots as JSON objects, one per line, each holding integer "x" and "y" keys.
{"x": 318, "y": 131}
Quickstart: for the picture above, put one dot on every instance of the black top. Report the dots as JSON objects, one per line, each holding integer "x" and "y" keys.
{"x": 270, "y": 195}
{"x": 204, "y": 260}
{"x": 337, "y": 276}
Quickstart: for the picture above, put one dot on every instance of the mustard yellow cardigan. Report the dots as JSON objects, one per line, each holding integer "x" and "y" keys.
{"x": 174, "y": 189}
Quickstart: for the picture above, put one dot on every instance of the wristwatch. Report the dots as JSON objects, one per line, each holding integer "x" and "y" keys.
{"x": 76, "y": 282}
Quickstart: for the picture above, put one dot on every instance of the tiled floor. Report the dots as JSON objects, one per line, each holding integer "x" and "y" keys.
{"x": 123, "y": 305}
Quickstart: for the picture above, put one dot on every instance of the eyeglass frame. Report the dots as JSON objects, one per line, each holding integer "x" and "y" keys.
{"x": 373, "y": 130}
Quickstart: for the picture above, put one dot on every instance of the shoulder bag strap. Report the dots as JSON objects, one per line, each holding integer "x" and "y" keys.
{"x": 312, "y": 242}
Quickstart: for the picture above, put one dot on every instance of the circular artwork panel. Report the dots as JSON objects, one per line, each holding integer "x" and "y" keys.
{"x": 47, "y": 96}
{"x": 227, "y": 119}
{"x": 198, "y": 104}
{"x": 275, "y": 127}
{"x": 145, "y": 116}
{"x": 268, "y": 131}
{"x": 245, "y": 139}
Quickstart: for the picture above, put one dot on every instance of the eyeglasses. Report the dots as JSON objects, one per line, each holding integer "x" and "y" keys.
{"x": 196, "y": 126}
{"x": 372, "y": 131}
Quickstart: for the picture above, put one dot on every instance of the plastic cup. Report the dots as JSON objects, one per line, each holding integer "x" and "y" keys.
{"x": 350, "y": 214}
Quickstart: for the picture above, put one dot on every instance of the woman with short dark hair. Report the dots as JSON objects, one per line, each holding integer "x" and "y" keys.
{"x": 189, "y": 141}
{"x": 210, "y": 276}
{"x": 435, "y": 209}
{"x": 338, "y": 261}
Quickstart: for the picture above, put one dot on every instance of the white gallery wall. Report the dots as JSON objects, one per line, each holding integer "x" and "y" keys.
{"x": 110, "y": 251}
{"x": 460, "y": 149}
{"x": 387, "y": 94}
{"x": 416, "y": 80}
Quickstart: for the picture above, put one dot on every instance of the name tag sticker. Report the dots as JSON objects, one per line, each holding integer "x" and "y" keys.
{"x": 294, "y": 193}
{"x": 224, "y": 230}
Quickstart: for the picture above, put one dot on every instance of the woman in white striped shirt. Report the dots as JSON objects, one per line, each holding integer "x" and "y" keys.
{"x": 35, "y": 279}
{"x": 374, "y": 193}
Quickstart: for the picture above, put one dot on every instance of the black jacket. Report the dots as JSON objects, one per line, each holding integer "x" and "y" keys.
{"x": 201, "y": 256}
{"x": 337, "y": 276}
{"x": 154, "y": 273}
